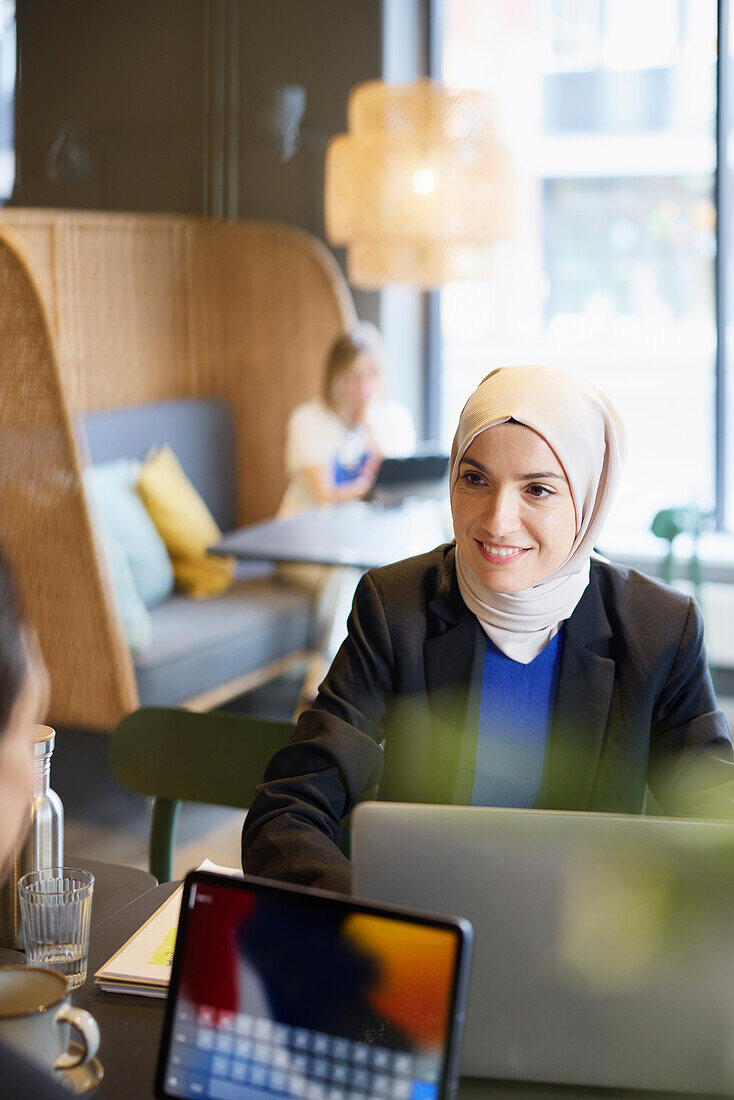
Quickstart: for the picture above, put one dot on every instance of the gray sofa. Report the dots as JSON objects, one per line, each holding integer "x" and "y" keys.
{"x": 205, "y": 651}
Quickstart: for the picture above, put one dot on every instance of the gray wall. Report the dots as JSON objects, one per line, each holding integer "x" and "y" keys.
{"x": 327, "y": 46}
{"x": 130, "y": 77}
{"x": 167, "y": 99}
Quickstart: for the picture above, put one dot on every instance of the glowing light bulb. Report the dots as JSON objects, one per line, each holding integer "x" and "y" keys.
{"x": 424, "y": 181}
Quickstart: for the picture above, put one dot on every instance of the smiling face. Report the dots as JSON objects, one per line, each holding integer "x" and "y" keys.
{"x": 514, "y": 516}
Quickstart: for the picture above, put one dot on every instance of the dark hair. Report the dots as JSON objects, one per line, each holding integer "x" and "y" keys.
{"x": 342, "y": 354}
{"x": 13, "y": 657}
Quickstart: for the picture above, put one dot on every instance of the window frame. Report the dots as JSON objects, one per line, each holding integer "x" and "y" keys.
{"x": 723, "y": 227}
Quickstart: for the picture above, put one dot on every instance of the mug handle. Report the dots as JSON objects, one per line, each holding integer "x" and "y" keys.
{"x": 87, "y": 1027}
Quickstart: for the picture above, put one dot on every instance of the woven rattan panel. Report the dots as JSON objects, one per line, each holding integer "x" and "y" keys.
{"x": 147, "y": 307}
{"x": 44, "y": 524}
{"x": 104, "y": 310}
{"x": 266, "y": 303}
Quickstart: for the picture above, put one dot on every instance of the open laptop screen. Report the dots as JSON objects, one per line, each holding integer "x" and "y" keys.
{"x": 413, "y": 469}
{"x": 604, "y": 943}
{"x": 280, "y": 992}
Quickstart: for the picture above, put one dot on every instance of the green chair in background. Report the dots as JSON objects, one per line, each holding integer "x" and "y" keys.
{"x": 668, "y": 524}
{"x": 178, "y": 755}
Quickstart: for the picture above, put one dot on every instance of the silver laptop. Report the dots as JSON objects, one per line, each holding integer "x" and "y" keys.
{"x": 604, "y": 944}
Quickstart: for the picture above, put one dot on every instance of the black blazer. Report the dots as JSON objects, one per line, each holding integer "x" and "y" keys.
{"x": 635, "y": 707}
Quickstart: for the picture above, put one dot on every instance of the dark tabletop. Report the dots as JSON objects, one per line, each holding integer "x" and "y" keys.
{"x": 131, "y": 1026}
{"x": 115, "y": 887}
{"x": 357, "y": 534}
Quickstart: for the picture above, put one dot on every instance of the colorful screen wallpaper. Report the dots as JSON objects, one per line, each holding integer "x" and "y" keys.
{"x": 303, "y": 998}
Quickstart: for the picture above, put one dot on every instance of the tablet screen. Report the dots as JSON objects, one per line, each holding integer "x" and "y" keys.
{"x": 280, "y": 992}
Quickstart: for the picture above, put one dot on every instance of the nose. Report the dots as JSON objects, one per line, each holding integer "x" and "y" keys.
{"x": 501, "y": 516}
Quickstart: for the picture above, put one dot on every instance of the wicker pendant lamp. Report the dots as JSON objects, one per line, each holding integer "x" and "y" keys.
{"x": 418, "y": 190}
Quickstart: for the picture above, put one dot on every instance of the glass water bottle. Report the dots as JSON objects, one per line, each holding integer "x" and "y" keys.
{"x": 44, "y": 842}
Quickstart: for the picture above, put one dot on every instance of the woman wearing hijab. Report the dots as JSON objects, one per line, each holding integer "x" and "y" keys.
{"x": 513, "y": 667}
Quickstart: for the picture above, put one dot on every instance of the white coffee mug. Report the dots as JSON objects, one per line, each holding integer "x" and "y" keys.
{"x": 36, "y": 1018}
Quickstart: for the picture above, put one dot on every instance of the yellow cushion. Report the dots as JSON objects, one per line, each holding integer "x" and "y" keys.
{"x": 185, "y": 524}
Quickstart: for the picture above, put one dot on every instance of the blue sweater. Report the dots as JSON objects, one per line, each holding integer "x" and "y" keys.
{"x": 514, "y": 719}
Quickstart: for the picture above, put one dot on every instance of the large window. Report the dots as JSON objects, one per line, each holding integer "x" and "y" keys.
{"x": 609, "y": 108}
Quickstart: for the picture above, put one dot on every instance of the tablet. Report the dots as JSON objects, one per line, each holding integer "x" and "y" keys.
{"x": 281, "y": 992}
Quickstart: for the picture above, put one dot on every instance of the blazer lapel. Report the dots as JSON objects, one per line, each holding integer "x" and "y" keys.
{"x": 585, "y": 684}
{"x": 452, "y": 659}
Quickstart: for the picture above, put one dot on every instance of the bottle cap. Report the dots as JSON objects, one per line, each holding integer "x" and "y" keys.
{"x": 43, "y": 733}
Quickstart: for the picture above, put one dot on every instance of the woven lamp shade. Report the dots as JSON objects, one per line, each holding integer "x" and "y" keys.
{"x": 419, "y": 189}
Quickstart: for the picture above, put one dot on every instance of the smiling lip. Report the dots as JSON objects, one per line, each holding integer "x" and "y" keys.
{"x": 500, "y": 558}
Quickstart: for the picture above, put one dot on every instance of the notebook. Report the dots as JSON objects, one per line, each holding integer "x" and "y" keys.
{"x": 284, "y": 992}
{"x": 142, "y": 966}
{"x": 604, "y": 944}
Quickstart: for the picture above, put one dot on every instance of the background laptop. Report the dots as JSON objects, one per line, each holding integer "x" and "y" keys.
{"x": 419, "y": 475}
{"x": 284, "y": 992}
{"x": 604, "y": 944}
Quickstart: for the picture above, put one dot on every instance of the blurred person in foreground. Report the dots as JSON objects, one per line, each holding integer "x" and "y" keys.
{"x": 335, "y": 443}
{"x": 513, "y": 666}
{"x": 24, "y": 693}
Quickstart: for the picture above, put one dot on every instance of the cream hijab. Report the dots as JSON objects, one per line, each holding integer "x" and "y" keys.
{"x": 587, "y": 435}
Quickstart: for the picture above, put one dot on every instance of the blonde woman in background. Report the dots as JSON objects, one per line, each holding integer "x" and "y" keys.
{"x": 334, "y": 446}
{"x": 336, "y": 441}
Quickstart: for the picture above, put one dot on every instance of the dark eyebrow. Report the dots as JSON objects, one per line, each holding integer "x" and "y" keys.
{"x": 542, "y": 476}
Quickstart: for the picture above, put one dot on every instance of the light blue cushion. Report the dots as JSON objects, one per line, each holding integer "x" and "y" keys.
{"x": 137, "y": 624}
{"x": 127, "y": 523}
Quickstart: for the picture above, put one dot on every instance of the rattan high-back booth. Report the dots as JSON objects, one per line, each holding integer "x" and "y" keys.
{"x": 101, "y": 311}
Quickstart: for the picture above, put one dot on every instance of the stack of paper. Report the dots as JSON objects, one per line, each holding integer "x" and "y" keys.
{"x": 143, "y": 965}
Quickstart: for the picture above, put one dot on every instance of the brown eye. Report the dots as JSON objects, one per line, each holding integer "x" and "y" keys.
{"x": 540, "y": 491}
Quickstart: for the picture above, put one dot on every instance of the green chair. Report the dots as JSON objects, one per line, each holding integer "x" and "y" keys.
{"x": 178, "y": 755}
{"x": 668, "y": 524}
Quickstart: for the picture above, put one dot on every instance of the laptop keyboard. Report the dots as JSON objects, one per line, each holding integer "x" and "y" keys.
{"x": 233, "y": 1056}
